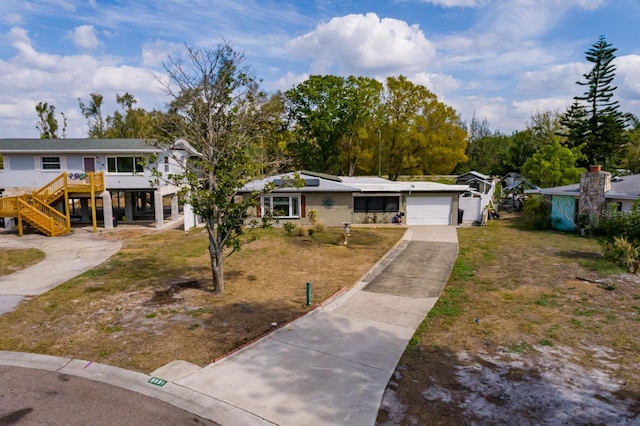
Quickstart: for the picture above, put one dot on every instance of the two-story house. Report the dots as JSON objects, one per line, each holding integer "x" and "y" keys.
{"x": 86, "y": 181}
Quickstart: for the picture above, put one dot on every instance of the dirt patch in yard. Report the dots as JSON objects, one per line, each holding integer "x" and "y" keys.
{"x": 533, "y": 328}
{"x": 150, "y": 303}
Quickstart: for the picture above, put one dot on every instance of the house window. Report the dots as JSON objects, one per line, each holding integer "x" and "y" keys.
{"x": 51, "y": 163}
{"x": 166, "y": 164}
{"x": 124, "y": 165}
{"x": 282, "y": 206}
{"x": 378, "y": 204}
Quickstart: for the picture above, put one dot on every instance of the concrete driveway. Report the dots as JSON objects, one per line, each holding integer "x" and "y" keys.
{"x": 332, "y": 366}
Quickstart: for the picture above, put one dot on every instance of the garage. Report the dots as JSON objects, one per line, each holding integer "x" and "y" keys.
{"x": 428, "y": 211}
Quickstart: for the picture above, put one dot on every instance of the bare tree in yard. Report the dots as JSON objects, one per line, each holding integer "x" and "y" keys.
{"x": 215, "y": 109}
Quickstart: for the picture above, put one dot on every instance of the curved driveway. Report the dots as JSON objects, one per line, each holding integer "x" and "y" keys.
{"x": 65, "y": 257}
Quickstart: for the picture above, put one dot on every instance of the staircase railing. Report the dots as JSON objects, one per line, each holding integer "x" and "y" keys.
{"x": 53, "y": 189}
{"x": 36, "y": 208}
{"x": 42, "y": 216}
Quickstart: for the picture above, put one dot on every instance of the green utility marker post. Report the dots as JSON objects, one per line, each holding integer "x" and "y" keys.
{"x": 308, "y": 293}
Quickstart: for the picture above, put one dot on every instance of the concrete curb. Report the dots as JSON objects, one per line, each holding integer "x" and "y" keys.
{"x": 171, "y": 393}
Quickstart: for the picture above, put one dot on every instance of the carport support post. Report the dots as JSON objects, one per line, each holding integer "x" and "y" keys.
{"x": 107, "y": 211}
{"x": 158, "y": 208}
{"x": 308, "y": 293}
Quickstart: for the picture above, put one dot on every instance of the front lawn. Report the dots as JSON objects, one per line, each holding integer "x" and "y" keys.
{"x": 125, "y": 313}
{"x": 13, "y": 260}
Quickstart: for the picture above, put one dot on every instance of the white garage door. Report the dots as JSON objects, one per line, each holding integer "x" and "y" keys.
{"x": 428, "y": 210}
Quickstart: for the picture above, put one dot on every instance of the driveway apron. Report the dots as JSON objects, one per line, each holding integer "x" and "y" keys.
{"x": 332, "y": 366}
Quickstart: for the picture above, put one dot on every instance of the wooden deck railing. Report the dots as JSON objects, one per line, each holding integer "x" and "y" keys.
{"x": 42, "y": 216}
{"x": 8, "y": 206}
{"x": 53, "y": 188}
{"x": 36, "y": 208}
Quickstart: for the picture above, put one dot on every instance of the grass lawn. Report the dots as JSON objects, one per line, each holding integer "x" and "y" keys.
{"x": 125, "y": 313}
{"x": 533, "y": 327}
{"x": 13, "y": 260}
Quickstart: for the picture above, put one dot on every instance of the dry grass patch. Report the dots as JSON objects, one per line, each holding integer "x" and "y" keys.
{"x": 126, "y": 313}
{"x": 519, "y": 336}
{"x": 13, "y": 260}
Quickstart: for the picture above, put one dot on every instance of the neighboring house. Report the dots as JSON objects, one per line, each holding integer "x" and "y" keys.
{"x": 590, "y": 197}
{"x": 67, "y": 174}
{"x": 475, "y": 203}
{"x": 341, "y": 200}
{"x": 476, "y": 181}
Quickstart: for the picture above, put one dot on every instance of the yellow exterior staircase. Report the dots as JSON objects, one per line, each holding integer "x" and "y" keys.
{"x": 36, "y": 208}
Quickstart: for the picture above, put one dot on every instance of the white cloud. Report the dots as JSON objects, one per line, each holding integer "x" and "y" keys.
{"x": 32, "y": 76}
{"x": 439, "y": 84}
{"x": 84, "y": 36}
{"x": 156, "y": 52}
{"x": 364, "y": 44}
{"x": 525, "y": 19}
{"x": 456, "y": 3}
{"x": 288, "y": 81}
{"x": 628, "y": 77}
{"x": 530, "y": 106}
{"x": 558, "y": 78}
{"x": 12, "y": 19}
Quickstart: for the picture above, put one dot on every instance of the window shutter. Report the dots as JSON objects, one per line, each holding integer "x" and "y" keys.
{"x": 37, "y": 163}
{"x": 63, "y": 163}
{"x": 5, "y": 163}
{"x": 259, "y": 209}
{"x": 303, "y": 206}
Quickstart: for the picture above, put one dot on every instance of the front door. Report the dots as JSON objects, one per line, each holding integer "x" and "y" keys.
{"x": 89, "y": 164}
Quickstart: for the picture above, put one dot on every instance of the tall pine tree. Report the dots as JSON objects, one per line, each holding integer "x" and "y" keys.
{"x": 603, "y": 123}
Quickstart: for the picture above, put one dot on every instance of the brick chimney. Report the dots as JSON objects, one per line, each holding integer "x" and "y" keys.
{"x": 593, "y": 186}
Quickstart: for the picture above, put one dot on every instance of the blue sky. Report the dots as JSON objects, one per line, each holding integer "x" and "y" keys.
{"x": 498, "y": 59}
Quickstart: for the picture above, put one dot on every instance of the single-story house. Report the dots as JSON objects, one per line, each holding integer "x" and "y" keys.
{"x": 85, "y": 178}
{"x": 358, "y": 200}
{"x": 596, "y": 190}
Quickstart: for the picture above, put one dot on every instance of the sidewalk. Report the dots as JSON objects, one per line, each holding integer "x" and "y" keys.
{"x": 330, "y": 367}
{"x": 65, "y": 257}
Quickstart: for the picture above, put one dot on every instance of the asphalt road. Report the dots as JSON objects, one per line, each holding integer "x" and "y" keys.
{"x": 39, "y": 397}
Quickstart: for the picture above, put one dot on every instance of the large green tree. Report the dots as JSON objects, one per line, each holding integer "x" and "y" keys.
{"x": 631, "y": 149}
{"x": 603, "y": 123}
{"x": 331, "y": 117}
{"x": 131, "y": 122}
{"x": 361, "y": 141}
{"x": 215, "y": 109}
{"x": 553, "y": 165}
{"x": 420, "y": 134}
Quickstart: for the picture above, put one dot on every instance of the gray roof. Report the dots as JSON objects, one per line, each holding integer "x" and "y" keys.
{"x": 475, "y": 174}
{"x": 376, "y": 184}
{"x": 330, "y": 183}
{"x": 323, "y": 185}
{"x": 625, "y": 187}
{"x": 28, "y": 146}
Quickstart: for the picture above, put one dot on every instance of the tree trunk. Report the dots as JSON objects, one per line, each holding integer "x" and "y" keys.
{"x": 217, "y": 269}
{"x": 216, "y": 256}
